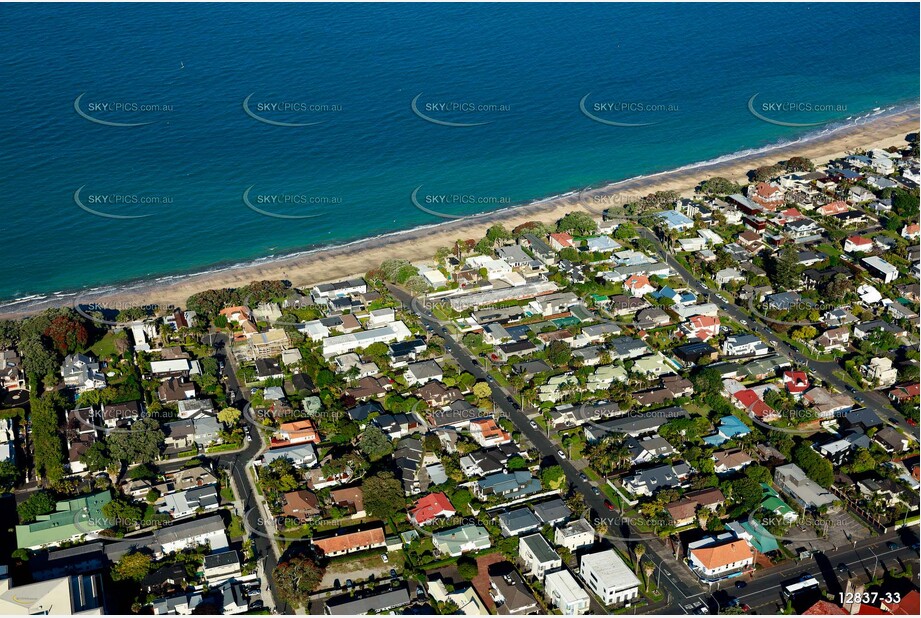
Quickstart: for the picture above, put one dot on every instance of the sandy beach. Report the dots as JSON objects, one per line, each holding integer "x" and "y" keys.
{"x": 420, "y": 244}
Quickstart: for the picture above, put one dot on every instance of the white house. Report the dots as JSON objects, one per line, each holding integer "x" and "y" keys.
{"x": 609, "y": 578}
{"x": 575, "y": 535}
{"x": 395, "y": 331}
{"x": 744, "y": 345}
{"x": 716, "y": 558}
{"x": 566, "y": 594}
{"x": 537, "y": 555}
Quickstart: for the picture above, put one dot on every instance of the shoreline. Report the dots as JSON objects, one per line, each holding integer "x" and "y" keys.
{"x": 311, "y": 266}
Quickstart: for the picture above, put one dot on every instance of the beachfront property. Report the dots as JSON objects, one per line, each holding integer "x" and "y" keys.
{"x": 342, "y": 344}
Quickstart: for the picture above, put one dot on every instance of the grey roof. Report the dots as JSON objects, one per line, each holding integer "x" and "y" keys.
{"x": 345, "y": 605}
{"x": 552, "y": 510}
{"x": 540, "y": 548}
{"x": 223, "y": 558}
{"x": 519, "y": 520}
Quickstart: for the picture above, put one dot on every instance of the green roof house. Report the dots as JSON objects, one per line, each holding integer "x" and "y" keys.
{"x": 772, "y": 503}
{"x": 71, "y": 520}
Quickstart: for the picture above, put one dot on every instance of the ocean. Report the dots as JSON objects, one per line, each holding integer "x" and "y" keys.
{"x": 141, "y": 142}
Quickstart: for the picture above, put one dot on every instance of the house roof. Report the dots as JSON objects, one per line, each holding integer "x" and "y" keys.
{"x": 350, "y": 540}
{"x": 431, "y": 506}
{"x": 716, "y": 556}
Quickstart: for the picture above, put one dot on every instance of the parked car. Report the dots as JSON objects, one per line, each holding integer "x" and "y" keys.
{"x": 608, "y": 505}
{"x": 891, "y": 545}
{"x": 385, "y": 558}
{"x": 596, "y": 491}
{"x": 561, "y": 454}
{"x": 534, "y": 424}
{"x": 740, "y": 584}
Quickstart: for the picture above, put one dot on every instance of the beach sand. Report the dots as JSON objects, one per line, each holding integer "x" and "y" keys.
{"x": 420, "y": 244}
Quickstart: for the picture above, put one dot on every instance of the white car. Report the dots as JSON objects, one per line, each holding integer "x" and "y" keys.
{"x": 561, "y": 454}
{"x": 385, "y": 558}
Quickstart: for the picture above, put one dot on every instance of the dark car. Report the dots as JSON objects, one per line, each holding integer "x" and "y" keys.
{"x": 842, "y": 568}
{"x": 393, "y": 572}
{"x": 740, "y": 584}
{"x": 583, "y": 477}
{"x": 891, "y": 545}
{"x": 596, "y": 491}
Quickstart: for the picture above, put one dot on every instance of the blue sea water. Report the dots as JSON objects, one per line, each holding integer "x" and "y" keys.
{"x": 689, "y": 69}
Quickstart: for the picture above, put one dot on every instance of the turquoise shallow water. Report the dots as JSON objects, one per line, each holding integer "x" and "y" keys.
{"x": 355, "y": 69}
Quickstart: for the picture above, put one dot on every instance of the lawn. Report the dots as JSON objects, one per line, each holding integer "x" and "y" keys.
{"x": 105, "y": 347}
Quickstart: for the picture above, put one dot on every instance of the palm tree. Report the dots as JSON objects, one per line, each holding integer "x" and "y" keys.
{"x": 648, "y": 569}
{"x": 638, "y": 551}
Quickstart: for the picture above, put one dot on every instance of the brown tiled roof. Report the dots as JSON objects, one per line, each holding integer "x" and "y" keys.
{"x": 350, "y": 541}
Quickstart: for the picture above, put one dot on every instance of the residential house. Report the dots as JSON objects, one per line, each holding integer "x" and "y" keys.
{"x": 718, "y": 558}
{"x": 575, "y": 535}
{"x": 649, "y": 481}
{"x": 566, "y": 594}
{"x": 300, "y": 505}
{"x": 350, "y": 542}
{"x": 430, "y": 507}
{"x": 81, "y": 371}
{"x": 744, "y": 345}
{"x": 807, "y": 493}
{"x": 537, "y": 556}
{"x": 609, "y": 578}
{"x": 456, "y": 541}
{"x": 518, "y": 521}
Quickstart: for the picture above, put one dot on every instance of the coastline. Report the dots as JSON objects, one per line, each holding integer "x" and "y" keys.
{"x": 309, "y": 267}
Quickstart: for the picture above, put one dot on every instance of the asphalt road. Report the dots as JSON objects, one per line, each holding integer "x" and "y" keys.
{"x": 237, "y": 463}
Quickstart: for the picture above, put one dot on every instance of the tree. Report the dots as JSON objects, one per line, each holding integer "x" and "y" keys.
{"x": 47, "y": 441}
{"x": 296, "y": 578}
{"x": 783, "y": 268}
{"x": 516, "y": 462}
{"x": 68, "y": 333}
{"x": 798, "y": 164}
{"x": 467, "y": 567}
{"x": 38, "y": 503}
{"x": 553, "y": 477}
{"x": 498, "y": 232}
{"x": 481, "y": 390}
{"x": 96, "y": 457}
{"x": 758, "y": 473}
{"x": 718, "y": 186}
{"x": 384, "y": 496}
{"x": 746, "y": 494}
{"x": 229, "y": 416}
{"x": 559, "y": 353}
{"x": 122, "y": 513}
{"x": 140, "y": 445}
{"x": 374, "y": 443}
{"x": 134, "y": 566}
{"x": 708, "y": 380}
{"x": 625, "y": 231}
{"x": 638, "y": 551}
{"x": 37, "y": 361}
{"x": 804, "y": 333}
{"x": 9, "y": 474}
{"x": 814, "y": 465}
{"x": 577, "y": 223}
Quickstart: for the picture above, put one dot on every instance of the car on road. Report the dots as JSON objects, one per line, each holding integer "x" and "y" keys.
{"x": 912, "y": 422}
{"x": 533, "y": 424}
{"x": 608, "y": 505}
{"x": 583, "y": 477}
{"x": 596, "y": 491}
{"x": 892, "y": 545}
{"x": 740, "y": 584}
{"x": 843, "y": 568}
{"x": 746, "y": 607}
{"x": 561, "y": 454}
